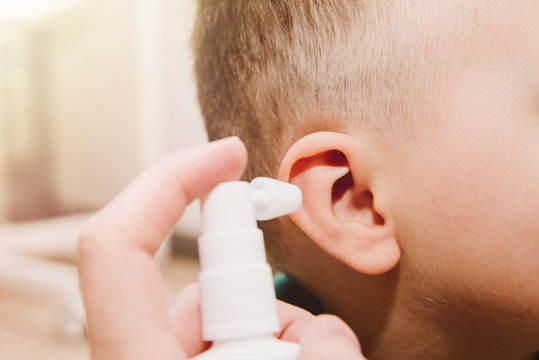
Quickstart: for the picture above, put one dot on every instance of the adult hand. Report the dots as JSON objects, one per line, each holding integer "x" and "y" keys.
{"x": 323, "y": 337}
{"x": 121, "y": 284}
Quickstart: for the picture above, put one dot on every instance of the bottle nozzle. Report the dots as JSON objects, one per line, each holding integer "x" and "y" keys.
{"x": 273, "y": 198}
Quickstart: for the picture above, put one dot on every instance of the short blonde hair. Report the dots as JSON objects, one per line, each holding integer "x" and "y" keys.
{"x": 272, "y": 71}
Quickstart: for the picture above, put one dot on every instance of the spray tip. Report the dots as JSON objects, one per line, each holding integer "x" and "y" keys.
{"x": 273, "y": 198}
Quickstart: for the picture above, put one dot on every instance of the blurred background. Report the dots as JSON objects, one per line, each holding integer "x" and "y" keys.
{"x": 91, "y": 93}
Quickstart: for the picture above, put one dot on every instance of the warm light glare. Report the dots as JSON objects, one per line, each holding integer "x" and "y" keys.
{"x": 25, "y": 10}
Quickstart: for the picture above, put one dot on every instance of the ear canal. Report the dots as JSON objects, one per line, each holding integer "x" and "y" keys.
{"x": 349, "y": 206}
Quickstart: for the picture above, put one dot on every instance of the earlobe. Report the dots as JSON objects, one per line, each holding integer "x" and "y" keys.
{"x": 333, "y": 171}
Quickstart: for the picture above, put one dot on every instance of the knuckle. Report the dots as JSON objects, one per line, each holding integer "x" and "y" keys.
{"x": 90, "y": 239}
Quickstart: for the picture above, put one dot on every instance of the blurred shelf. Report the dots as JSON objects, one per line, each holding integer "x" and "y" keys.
{"x": 52, "y": 238}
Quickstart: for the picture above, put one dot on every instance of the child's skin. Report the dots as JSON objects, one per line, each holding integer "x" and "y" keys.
{"x": 121, "y": 284}
{"x": 460, "y": 205}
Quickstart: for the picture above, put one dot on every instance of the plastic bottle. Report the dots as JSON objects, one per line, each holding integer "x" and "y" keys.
{"x": 238, "y": 305}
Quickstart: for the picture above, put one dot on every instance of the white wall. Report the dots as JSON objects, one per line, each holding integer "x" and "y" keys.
{"x": 92, "y": 97}
{"x": 115, "y": 90}
{"x": 184, "y": 125}
{"x": 122, "y": 93}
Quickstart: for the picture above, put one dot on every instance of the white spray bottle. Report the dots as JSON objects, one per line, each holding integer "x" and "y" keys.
{"x": 238, "y": 305}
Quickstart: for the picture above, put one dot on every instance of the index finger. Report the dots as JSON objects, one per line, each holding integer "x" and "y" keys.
{"x": 120, "y": 283}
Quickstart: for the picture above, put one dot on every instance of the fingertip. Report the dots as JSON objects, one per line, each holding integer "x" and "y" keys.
{"x": 329, "y": 328}
{"x": 200, "y": 169}
{"x": 235, "y": 153}
{"x": 293, "y": 320}
{"x": 240, "y": 151}
{"x": 233, "y": 142}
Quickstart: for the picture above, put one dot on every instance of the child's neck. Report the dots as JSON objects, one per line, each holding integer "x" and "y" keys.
{"x": 392, "y": 329}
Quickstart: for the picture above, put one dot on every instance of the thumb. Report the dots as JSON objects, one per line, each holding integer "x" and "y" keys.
{"x": 328, "y": 337}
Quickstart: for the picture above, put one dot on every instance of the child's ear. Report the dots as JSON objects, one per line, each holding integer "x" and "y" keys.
{"x": 335, "y": 173}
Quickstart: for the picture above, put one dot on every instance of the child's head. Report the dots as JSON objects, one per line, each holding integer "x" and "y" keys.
{"x": 412, "y": 128}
